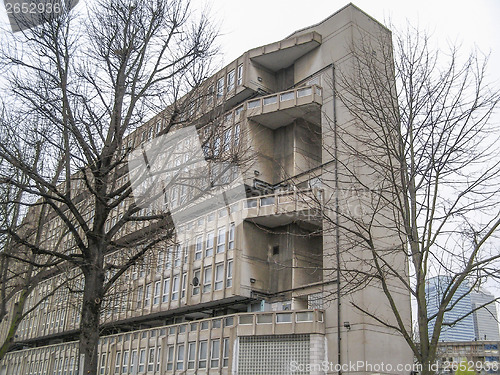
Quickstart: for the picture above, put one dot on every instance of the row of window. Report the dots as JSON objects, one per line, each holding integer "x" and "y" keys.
{"x": 223, "y": 85}
{"x": 226, "y": 84}
{"x": 173, "y": 256}
{"x": 44, "y": 323}
{"x": 169, "y": 289}
{"x": 173, "y": 288}
{"x": 201, "y": 354}
{"x": 60, "y": 366}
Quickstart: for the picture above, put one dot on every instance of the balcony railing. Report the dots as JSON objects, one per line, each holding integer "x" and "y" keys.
{"x": 284, "y": 100}
{"x": 163, "y": 341}
{"x": 285, "y": 201}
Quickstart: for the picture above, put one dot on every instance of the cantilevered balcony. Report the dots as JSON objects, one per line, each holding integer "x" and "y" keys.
{"x": 282, "y": 54}
{"x": 283, "y": 208}
{"x": 280, "y": 109}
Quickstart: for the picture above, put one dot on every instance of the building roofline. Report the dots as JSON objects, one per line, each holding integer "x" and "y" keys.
{"x": 334, "y": 14}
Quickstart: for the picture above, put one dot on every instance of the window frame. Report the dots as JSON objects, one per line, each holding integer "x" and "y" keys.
{"x": 219, "y": 278}
{"x": 215, "y": 353}
{"x": 231, "y": 80}
{"x": 229, "y": 274}
{"x": 207, "y": 279}
{"x": 239, "y": 75}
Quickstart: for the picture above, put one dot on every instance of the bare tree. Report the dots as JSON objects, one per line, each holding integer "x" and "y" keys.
{"x": 416, "y": 188}
{"x": 20, "y": 269}
{"x": 91, "y": 80}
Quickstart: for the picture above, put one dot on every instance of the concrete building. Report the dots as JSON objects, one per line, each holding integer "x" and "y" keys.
{"x": 471, "y": 324}
{"x": 246, "y": 287}
{"x": 480, "y": 356}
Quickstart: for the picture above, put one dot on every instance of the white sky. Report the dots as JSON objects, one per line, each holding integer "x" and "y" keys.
{"x": 246, "y": 24}
{"x": 251, "y": 23}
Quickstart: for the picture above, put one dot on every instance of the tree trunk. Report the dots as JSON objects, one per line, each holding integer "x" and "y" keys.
{"x": 17, "y": 317}
{"x": 89, "y": 326}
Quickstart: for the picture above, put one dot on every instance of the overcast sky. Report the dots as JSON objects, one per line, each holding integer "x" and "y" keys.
{"x": 249, "y": 24}
{"x": 246, "y": 24}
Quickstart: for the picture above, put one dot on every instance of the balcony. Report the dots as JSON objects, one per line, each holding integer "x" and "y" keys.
{"x": 280, "y": 109}
{"x": 280, "y": 323}
{"x": 282, "y": 54}
{"x": 163, "y": 340}
{"x": 283, "y": 208}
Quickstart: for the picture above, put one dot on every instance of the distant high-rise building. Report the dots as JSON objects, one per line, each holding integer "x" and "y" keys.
{"x": 462, "y": 322}
{"x": 485, "y": 318}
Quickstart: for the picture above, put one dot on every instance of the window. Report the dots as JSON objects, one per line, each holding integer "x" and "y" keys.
{"x": 196, "y": 282}
{"x": 175, "y": 288}
{"x": 133, "y": 360}
{"x": 226, "y": 140}
{"x": 125, "y": 361}
{"x": 147, "y": 295}
{"x": 71, "y": 366}
{"x": 183, "y": 285}
{"x": 284, "y": 318}
{"x": 214, "y": 353}
{"x": 185, "y": 251}
{"x": 159, "y": 263}
{"x": 225, "y": 355}
{"x": 151, "y": 359}
{"x": 198, "y": 248}
{"x": 168, "y": 258}
{"x": 229, "y": 276}
{"x": 191, "y": 355}
{"x": 156, "y": 296}
{"x": 166, "y": 290}
{"x": 230, "y": 241}
{"x": 170, "y": 358}
{"x": 210, "y": 95}
{"x": 230, "y": 81}
{"x": 142, "y": 360}
{"x": 140, "y": 293}
{"x": 209, "y": 251}
{"x": 240, "y": 75}
{"x": 142, "y": 271}
{"x": 229, "y": 321}
{"x": 202, "y": 354}
{"x": 117, "y": 362}
{"x": 276, "y": 250}
{"x": 183, "y": 192}
{"x": 158, "y": 358}
{"x": 220, "y": 87}
{"x": 103, "y": 364}
{"x": 219, "y": 276}
{"x": 180, "y": 358}
{"x": 237, "y": 135}
{"x": 177, "y": 256}
{"x": 221, "y": 240}
{"x": 207, "y": 279}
